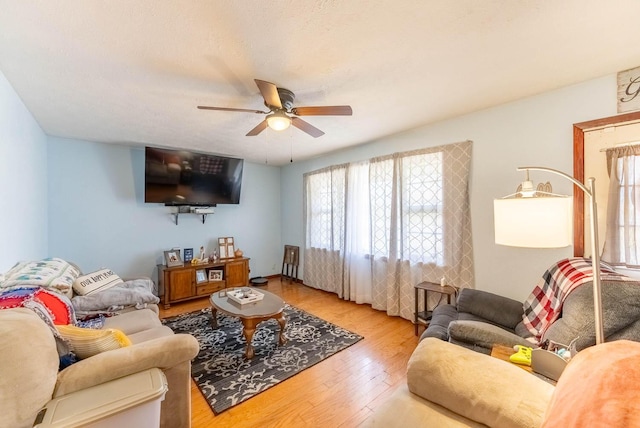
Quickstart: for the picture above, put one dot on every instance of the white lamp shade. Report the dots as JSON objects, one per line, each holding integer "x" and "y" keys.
{"x": 541, "y": 222}
{"x": 278, "y": 121}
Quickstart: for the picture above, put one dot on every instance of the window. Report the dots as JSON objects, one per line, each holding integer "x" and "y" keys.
{"x": 325, "y": 193}
{"x": 422, "y": 222}
{"x": 372, "y": 228}
{"x": 623, "y": 214}
{"x": 406, "y": 223}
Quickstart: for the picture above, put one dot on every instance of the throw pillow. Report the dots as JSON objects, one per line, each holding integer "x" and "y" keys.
{"x": 599, "y": 388}
{"x": 95, "y": 281}
{"x": 87, "y": 342}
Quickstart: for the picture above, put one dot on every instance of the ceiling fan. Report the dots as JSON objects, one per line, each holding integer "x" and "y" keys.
{"x": 279, "y": 101}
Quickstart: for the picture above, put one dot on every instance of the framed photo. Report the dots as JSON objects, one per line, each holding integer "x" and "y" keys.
{"x": 203, "y": 253}
{"x": 188, "y": 255}
{"x": 201, "y": 276}
{"x": 226, "y": 247}
{"x": 172, "y": 258}
{"x": 215, "y": 275}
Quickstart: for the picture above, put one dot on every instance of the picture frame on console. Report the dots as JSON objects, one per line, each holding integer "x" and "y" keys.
{"x": 215, "y": 275}
{"x": 172, "y": 258}
{"x": 226, "y": 247}
{"x": 201, "y": 276}
{"x": 188, "y": 255}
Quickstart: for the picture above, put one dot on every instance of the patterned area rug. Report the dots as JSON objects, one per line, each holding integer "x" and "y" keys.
{"x": 223, "y": 374}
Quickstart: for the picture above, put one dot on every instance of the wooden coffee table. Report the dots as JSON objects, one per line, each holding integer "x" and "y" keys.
{"x": 251, "y": 314}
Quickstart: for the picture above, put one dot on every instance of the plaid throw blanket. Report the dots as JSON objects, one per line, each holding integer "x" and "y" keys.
{"x": 544, "y": 304}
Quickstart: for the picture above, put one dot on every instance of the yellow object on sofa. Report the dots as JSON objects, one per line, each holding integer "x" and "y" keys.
{"x": 87, "y": 342}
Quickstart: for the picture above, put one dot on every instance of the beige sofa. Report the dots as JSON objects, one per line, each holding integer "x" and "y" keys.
{"x": 29, "y": 361}
{"x": 452, "y": 386}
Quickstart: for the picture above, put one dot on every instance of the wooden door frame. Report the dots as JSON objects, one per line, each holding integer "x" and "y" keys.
{"x": 578, "y": 171}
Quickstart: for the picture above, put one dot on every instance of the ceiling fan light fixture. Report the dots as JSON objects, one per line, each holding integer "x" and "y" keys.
{"x": 278, "y": 121}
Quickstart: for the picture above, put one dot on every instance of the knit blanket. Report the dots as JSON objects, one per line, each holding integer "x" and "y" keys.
{"x": 544, "y": 305}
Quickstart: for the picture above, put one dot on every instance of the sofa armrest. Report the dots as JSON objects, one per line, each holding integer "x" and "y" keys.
{"x": 477, "y": 386}
{"x": 483, "y": 334}
{"x": 163, "y": 353}
{"x": 496, "y": 309}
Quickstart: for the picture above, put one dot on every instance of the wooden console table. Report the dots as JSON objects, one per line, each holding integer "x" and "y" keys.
{"x": 180, "y": 283}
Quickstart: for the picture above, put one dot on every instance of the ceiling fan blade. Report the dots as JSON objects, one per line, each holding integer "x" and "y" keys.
{"x": 232, "y": 109}
{"x": 306, "y": 127}
{"x": 323, "y": 111}
{"x": 269, "y": 92}
{"x": 258, "y": 129}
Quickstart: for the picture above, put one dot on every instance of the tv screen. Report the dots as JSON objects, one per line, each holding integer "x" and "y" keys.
{"x": 180, "y": 177}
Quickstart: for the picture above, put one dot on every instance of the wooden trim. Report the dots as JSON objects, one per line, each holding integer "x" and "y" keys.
{"x": 578, "y": 171}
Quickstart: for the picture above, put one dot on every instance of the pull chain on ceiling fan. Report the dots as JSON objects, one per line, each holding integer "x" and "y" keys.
{"x": 279, "y": 101}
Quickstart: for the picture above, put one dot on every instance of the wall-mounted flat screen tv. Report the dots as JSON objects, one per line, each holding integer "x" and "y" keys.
{"x": 180, "y": 177}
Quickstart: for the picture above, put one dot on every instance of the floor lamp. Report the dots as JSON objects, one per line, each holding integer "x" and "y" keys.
{"x": 543, "y": 220}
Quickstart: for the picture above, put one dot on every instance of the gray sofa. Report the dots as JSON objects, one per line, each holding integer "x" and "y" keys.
{"x": 480, "y": 319}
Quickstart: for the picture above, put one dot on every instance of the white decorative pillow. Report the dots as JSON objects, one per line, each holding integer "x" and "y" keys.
{"x": 95, "y": 281}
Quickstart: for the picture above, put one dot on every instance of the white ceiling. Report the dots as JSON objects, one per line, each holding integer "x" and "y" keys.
{"x": 133, "y": 72}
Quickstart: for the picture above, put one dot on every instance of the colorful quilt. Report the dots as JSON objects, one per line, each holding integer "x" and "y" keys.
{"x": 52, "y": 273}
{"x": 544, "y": 305}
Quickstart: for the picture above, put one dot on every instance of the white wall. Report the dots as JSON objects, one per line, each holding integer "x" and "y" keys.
{"x": 536, "y": 131}
{"x": 23, "y": 174}
{"x": 98, "y": 218}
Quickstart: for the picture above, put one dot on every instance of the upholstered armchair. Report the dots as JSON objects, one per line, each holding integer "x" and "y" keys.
{"x": 30, "y": 375}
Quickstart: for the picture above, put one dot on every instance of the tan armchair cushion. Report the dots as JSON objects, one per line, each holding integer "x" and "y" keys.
{"x": 28, "y": 366}
{"x": 477, "y": 386}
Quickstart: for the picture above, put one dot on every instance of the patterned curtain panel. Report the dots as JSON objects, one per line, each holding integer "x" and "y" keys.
{"x": 621, "y": 243}
{"x": 324, "y": 211}
{"x": 404, "y": 218}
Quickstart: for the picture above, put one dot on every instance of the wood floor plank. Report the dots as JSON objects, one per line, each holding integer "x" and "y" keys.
{"x": 342, "y": 390}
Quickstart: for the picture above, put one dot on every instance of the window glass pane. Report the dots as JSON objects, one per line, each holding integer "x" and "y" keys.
{"x": 422, "y": 198}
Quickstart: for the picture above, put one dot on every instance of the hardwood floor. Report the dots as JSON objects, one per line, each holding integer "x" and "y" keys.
{"x": 340, "y": 391}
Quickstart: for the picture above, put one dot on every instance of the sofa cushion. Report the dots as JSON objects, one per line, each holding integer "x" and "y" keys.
{"x": 439, "y": 324}
{"x": 150, "y": 334}
{"x": 490, "y": 307}
{"x": 404, "y": 409}
{"x": 483, "y": 334}
{"x": 29, "y": 362}
{"x": 467, "y": 383}
{"x": 133, "y": 321}
{"x": 599, "y": 387}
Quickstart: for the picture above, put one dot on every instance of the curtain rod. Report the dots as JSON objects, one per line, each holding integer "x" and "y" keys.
{"x": 633, "y": 144}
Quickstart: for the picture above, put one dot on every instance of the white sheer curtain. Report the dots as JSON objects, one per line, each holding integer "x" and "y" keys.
{"x": 405, "y": 218}
{"x": 357, "y": 267}
{"x": 623, "y": 213}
